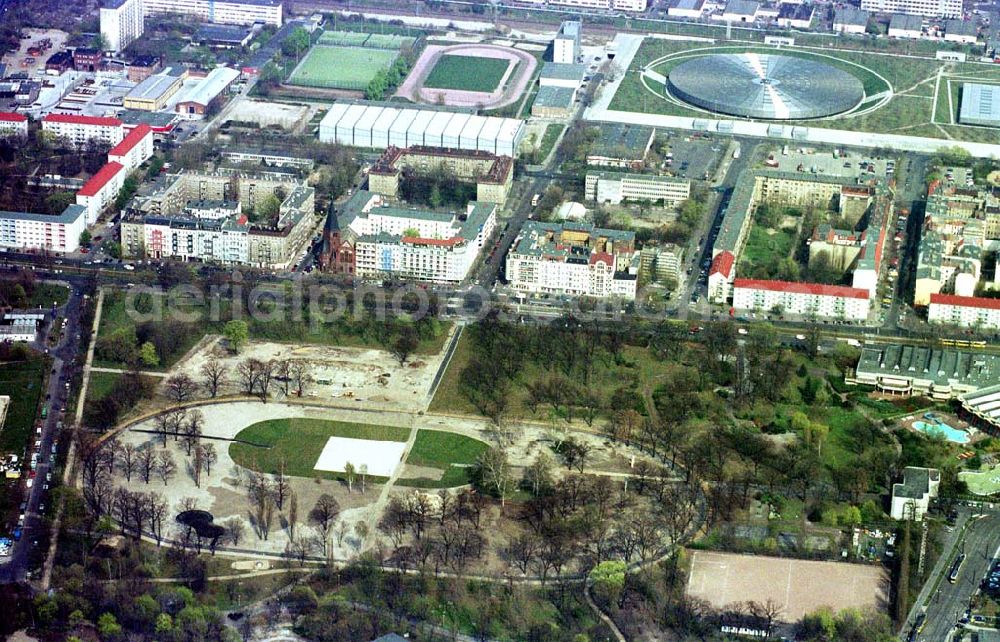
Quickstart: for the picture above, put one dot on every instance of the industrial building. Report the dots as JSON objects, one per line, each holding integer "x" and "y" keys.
{"x": 229, "y": 12}
{"x": 194, "y": 103}
{"x": 850, "y": 20}
{"x": 905, "y": 26}
{"x": 122, "y": 21}
{"x": 142, "y": 67}
{"x": 983, "y": 405}
{"x": 374, "y": 126}
{"x": 980, "y": 105}
{"x": 153, "y": 93}
{"x": 553, "y": 102}
{"x": 621, "y": 146}
{"x": 686, "y": 9}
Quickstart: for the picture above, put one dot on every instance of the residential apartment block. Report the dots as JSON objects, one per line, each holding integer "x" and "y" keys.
{"x": 135, "y": 149}
{"x": 493, "y": 175}
{"x": 911, "y": 498}
{"x": 966, "y": 311}
{"x": 202, "y": 216}
{"x": 615, "y": 187}
{"x": 930, "y": 8}
{"x": 24, "y": 230}
{"x": 573, "y": 259}
{"x": 101, "y": 190}
{"x": 78, "y": 130}
{"x": 13, "y": 124}
{"x": 372, "y": 239}
{"x": 566, "y": 46}
{"x": 121, "y": 22}
{"x": 227, "y": 12}
{"x": 858, "y": 251}
{"x": 801, "y": 299}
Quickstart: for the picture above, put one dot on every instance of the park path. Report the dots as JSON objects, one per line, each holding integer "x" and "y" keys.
{"x": 70, "y": 470}
{"x": 375, "y": 512}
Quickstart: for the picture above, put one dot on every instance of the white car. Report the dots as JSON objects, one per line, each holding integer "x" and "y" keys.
{"x": 742, "y": 331}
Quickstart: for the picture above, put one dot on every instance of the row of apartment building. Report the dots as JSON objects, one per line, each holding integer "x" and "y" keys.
{"x": 860, "y": 253}
{"x": 205, "y": 217}
{"x": 26, "y": 230}
{"x": 123, "y": 21}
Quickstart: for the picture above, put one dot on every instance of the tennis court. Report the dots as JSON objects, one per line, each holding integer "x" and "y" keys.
{"x": 338, "y": 67}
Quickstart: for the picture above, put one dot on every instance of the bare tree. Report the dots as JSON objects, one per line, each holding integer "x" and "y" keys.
{"x": 349, "y": 474}
{"x": 235, "y": 530}
{"x": 181, "y": 387}
{"x": 293, "y": 514}
{"x": 165, "y": 466}
{"x": 282, "y": 486}
{"x": 208, "y": 457}
{"x": 192, "y": 430}
{"x": 163, "y": 425}
{"x": 248, "y": 372}
{"x": 197, "y": 465}
{"x": 147, "y": 463}
{"x": 266, "y": 376}
{"x": 213, "y": 376}
{"x": 109, "y": 454}
{"x": 157, "y": 513}
{"x": 323, "y": 515}
{"x": 128, "y": 461}
{"x": 299, "y": 372}
{"x": 283, "y": 373}
{"x": 494, "y": 471}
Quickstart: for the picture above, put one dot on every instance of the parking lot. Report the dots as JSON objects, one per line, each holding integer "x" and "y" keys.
{"x": 695, "y": 157}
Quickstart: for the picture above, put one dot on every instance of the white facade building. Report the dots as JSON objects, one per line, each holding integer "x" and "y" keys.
{"x": 229, "y": 12}
{"x": 13, "y": 124}
{"x": 911, "y": 497}
{"x": 615, "y": 187}
{"x": 221, "y": 240}
{"x": 966, "y": 311}
{"x": 566, "y": 45}
{"x": 930, "y": 8}
{"x": 101, "y": 190}
{"x": 802, "y": 299}
{"x": 121, "y": 22}
{"x": 573, "y": 259}
{"x": 23, "y": 230}
{"x": 80, "y": 129}
{"x": 414, "y": 244}
{"x": 135, "y": 149}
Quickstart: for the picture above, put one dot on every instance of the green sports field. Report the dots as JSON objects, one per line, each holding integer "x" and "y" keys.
{"x": 337, "y": 67}
{"x": 467, "y": 73}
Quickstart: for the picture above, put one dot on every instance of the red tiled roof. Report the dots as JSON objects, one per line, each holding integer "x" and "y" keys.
{"x": 723, "y": 264}
{"x": 77, "y": 119}
{"x": 602, "y": 257}
{"x": 806, "y": 288}
{"x": 100, "y": 179}
{"x": 12, "y": 117}
{"x": 131, "y": 140}
{"x": 417, "y": 240}
{"x": 966, "y": 301}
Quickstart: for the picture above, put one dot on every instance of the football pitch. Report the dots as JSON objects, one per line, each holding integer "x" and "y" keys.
{"x": 340, "y": 67}
{"x": 467, "y": 73}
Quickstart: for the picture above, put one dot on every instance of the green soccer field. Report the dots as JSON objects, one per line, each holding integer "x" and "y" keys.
{"x": 341, "y": 67}
{"x": 467, "y": 73}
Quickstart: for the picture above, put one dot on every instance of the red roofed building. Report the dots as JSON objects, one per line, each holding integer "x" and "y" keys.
{"x": 80, "y": 129}
{"x": 101, "y": 190}
{"x": 720, "y": 276}
{"x": 801, "y": 299}
{"x": 134, "y": 149}
{"x": 13, "y": 124}
{"x": 966, "y": 311}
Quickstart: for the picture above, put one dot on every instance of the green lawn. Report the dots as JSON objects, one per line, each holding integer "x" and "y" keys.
{"x": 765, "y": 248}
{"x": 341, "y": 67}
{"x": 454, "y": 454}
{"x": 549, "y": 138}
{"x": 985, "y": 482}
{"x": 48, "y": 294}
{"x": 467, "y": 73}
{"x": 298, "y": 443}
{"x": 101, "y": 383}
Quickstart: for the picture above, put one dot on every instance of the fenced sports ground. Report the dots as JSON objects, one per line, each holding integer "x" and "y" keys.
{"x": 347, "y": 59}
{"x": 336, "y": 67}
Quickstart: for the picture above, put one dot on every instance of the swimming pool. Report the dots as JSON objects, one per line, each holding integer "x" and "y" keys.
{"x": 953, "y": 435}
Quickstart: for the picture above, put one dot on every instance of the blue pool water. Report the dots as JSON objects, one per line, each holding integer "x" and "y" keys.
{"x": 951, "y": 434}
